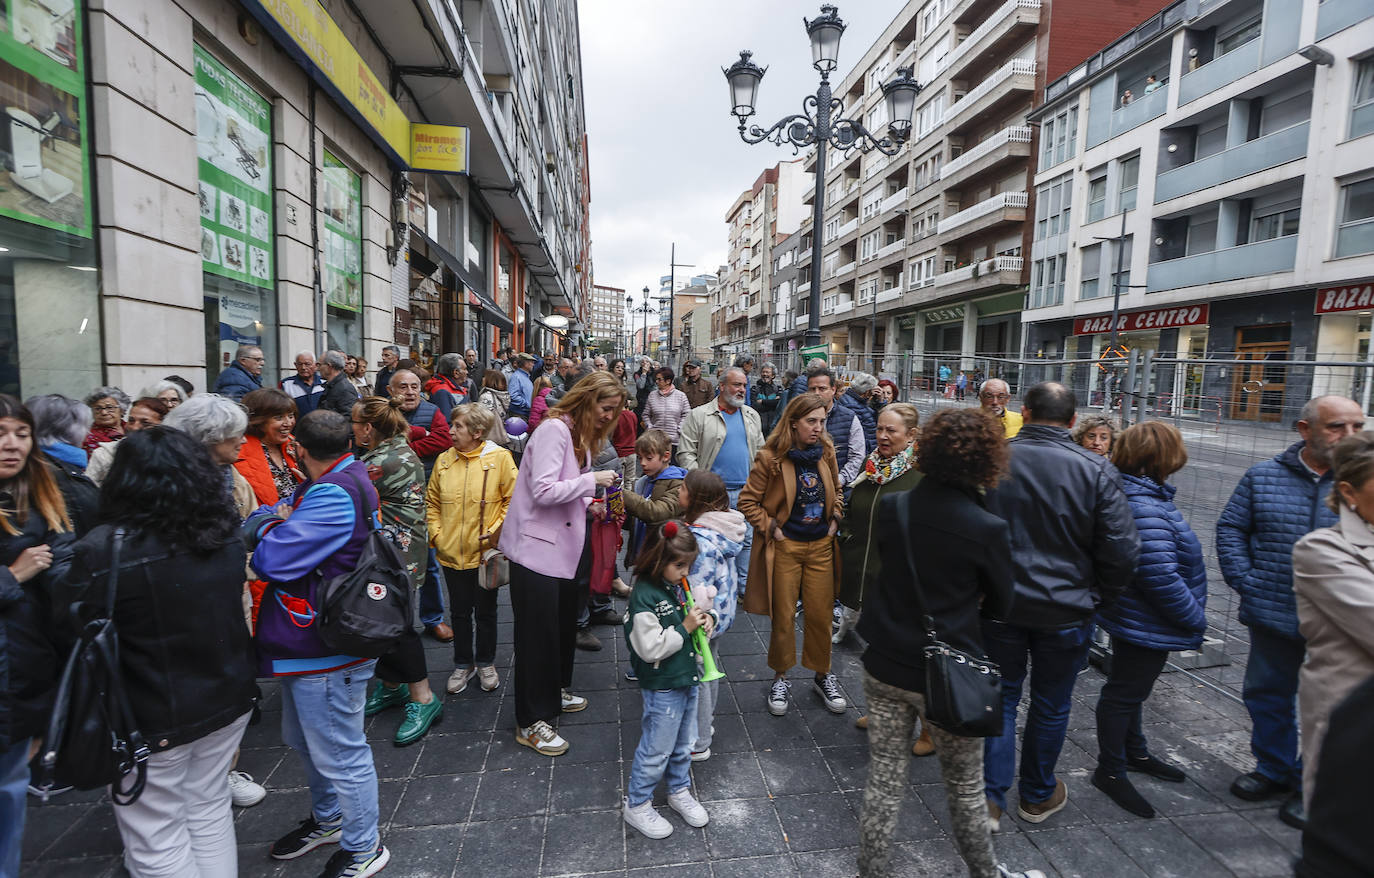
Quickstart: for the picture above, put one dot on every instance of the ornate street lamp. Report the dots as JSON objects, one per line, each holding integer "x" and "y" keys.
{"x": 820, "y": 124}
{"x": 646, "y": 309}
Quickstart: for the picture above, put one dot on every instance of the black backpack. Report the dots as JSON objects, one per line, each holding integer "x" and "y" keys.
{"x": 365, "y": 611}
{"x": 92, "y": 739}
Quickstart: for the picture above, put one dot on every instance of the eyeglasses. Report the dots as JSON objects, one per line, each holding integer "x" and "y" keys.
{"x": 256, "y": 359}
{"x": 999, "y": 397}
{"x": 108, "y": 407}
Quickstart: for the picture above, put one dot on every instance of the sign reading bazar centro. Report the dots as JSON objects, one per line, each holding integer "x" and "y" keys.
{"x": 1137, "y": 321}
{"x": 1358, "y": 297}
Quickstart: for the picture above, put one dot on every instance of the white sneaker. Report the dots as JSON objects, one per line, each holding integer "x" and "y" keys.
{"x": 573, "y": 703}
{"x": 688, "y": 807}
{"x": 777, "y": 697}
{"x": 701, "y": 755}
{"x": 647, "y": 820}
{"x": 828, "y": 688}
{"x": 244, "y": 791}
{"x": 458, "y": 680}
{"x": 541, "y": 738}
{"x": 848, "y": 619}
{"x": 488, "y": 677}
{"x": 1004, "y": 872}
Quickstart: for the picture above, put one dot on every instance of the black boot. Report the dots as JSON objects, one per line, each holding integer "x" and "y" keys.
{"x": 1156, "y": 768}
{"x": 1123, "y": 792}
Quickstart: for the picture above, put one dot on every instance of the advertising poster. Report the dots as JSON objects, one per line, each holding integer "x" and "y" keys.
{"x": 342, "y": 243}
{"x": 234, "y": 146}
{"x": 46, "y": 178}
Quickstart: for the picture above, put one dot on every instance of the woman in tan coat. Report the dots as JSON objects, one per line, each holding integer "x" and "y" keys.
{"x": 1333, "y": 577}
{"x": 793, "y": 501}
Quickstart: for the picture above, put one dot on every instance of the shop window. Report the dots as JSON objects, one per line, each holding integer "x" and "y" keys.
{"x": 341, "y": 256}
{"x": 49, "y": 285}
{"x": 234, "y": 145}
{"x": 1355, "y": 233}
{"x": 479, "y": 230}
{"x": 1362, "y": 106}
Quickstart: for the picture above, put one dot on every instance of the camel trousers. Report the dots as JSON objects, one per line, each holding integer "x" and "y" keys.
{"x": 808, "y": 569}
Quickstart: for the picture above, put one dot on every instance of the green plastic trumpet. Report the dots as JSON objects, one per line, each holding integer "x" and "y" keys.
{"x": 701, "y": 644}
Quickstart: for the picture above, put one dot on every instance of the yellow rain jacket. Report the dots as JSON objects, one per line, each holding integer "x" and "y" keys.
{"x": 453, "y": 503}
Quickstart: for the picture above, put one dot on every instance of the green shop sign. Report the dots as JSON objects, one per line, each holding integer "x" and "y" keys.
{"x": 42, "y": 66}
{"x": 234, "y": 148}
{"x": 342, "y": 277}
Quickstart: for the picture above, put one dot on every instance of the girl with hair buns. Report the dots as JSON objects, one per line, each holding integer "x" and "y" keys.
{"x": 545, "y": 538}
{"x": 381, "y": 432}
{"x": 465, "y": 506}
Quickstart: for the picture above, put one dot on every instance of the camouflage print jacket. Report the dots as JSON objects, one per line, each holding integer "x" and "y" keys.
{"x": 399, "y": 477}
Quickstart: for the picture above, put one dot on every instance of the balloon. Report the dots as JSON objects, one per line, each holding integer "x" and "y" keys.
{"x": 516, "y": 426}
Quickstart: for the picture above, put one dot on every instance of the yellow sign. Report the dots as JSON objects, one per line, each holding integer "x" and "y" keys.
{"x": 311, "y": 36}
{"x": 441, "y": 148}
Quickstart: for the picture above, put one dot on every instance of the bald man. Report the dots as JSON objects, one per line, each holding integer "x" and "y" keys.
{"x": 993, "y": 396}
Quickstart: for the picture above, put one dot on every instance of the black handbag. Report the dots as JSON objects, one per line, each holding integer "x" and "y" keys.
{"x": 365, "y": 611}
{"x": 963, "y": 692}
{"x": 92, "y": 739}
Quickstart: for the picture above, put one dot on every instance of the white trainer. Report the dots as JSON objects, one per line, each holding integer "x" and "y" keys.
{"x": 647, "y": 820}
{"x": 1004, "y": 872}
{"x": 573, "y": 703}
{"x": 458, "y": 680}
{"x": 688, "y": 807}
{"x": 244, "y": 791}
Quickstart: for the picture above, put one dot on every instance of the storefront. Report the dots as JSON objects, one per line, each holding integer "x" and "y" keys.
{"x": 1344, "y": 317}
{"x": 50, "y": 320}
{"x": 1165, "y": 332}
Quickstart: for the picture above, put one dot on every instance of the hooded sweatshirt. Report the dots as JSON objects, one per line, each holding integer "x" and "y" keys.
{"x": 720, "y": 537}
{"x": 654, "y": 500}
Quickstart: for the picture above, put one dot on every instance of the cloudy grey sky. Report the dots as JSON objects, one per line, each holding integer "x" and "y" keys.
{"x": 666, "y": 158}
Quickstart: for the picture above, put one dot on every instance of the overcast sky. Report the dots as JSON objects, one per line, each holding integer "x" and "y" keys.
{"x": 666, "y": 158}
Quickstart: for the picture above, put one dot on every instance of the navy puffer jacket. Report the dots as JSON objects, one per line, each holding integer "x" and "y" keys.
{"x": 1164, "y": 607}
{"x": 1276, "y": 503}
{"x": 869, "y": 422}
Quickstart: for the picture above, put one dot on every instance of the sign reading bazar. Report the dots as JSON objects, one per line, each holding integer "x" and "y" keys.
{"x": 1138, "y": 321}
{"x": 1359, "y": 297}
{"x": 314, "y": 40}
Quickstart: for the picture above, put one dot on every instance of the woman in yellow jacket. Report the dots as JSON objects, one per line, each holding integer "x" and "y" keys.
{"x": 465, "y": 506}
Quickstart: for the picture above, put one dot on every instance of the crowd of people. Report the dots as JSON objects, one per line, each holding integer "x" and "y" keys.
{"x": 1008, "y": 536}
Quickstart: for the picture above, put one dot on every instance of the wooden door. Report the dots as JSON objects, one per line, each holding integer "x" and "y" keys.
{"x": 1258, "y": 386}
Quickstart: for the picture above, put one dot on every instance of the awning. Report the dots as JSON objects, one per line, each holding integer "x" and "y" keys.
{"x": 490, "y": 313}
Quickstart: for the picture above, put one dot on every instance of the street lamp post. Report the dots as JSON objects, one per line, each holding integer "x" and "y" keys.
{"x": 820, "y": 124}
{"x": 646, "y": 309}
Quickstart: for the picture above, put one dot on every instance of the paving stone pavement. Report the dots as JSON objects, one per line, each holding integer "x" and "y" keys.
{"x": 783, "y": 793}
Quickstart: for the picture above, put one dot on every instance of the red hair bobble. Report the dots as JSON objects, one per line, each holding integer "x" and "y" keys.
{"x": 670, "y": 529}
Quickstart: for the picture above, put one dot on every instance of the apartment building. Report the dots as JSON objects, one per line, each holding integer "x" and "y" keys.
{"x": 924, "y": 250}
{"x": 677, "y": 294}
{"x": 1215, "y": 166}
{"x": 787, "y": 300}
{"x": 184, "y": 176}
{"x": 606, "y": 316}
{"x": 772, "y": 206}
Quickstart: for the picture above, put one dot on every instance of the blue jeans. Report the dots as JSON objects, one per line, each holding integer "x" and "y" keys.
{"x": 1270, "y": 692}
{"x": 742, "y": 559}
{"x": 322, "y": 719}
{"x": 14, "y": 787}
{"x": 432, "y": 593}
{"x": 666, "y": 734}
{"x": 1055, "y": 659}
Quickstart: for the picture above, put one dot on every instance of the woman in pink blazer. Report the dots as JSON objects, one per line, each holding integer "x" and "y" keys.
{"x": 545, "y": 538}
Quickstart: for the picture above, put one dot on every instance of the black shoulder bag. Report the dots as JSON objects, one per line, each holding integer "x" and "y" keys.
{"x": 92, "y": 739}
{"x": 365, "y": 611}
{"x": 963, "y": 693}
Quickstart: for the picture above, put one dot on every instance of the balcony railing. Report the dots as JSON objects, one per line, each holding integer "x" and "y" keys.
{"x": 847, "y": 228}
{"x": 983, "y": 208}
{"x": 1014, "y": 67}
{"x": 980, "y": 269}
{"x": 888, "y": 249}
{"x": 893, "y": 201}
{"x": 1233, "y": 263}
{"x": 1006, "y": 10}
{"x": 1220, "y": 71}
{"x": 1014, "y": 134}
{"x": 1247, "y": 158}
{"x": 841, "y": 269}
{"x": 891, "y": 293}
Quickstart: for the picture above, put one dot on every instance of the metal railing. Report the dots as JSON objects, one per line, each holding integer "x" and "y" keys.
{"x": 1003, "y": 12}
{"x": 1011, "y": 134}
{"x": 983, "y": 208}
{"x": 1014, "y": 67}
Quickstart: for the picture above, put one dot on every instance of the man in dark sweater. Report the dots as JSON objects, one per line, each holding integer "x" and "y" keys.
{"x": 1074, "y": 547}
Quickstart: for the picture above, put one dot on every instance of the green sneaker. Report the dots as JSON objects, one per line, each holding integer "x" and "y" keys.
{"x": 419, "y": 717}
{"x": 380, "y": 698}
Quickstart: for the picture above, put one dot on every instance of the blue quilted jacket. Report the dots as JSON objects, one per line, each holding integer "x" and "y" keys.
{"x": 866, "y": 418}
{"x": 1276, "y": 504}
{"x": 1164, "y": 607}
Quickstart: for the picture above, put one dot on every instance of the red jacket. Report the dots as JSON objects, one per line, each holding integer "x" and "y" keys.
{"x": 626, "y": 430}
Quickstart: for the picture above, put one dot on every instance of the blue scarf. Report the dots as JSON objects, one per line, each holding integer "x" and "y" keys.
{"x": 72, "y": 454}
{"x": 810, "y": 455}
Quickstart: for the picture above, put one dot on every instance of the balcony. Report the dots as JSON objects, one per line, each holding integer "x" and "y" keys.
{"x": 841, "y": 270}
{"x": 1233, "y": 263}
{"x": 1257, "y": 155}
{"x": 1007, "y": 145}
{"x": 1014, "y": 80}
{"x": 989, "y": 275}
{"x": 887, "y": 250}
{"x": 1006, "y": 24}
{"x": 893, "y": 201}
{"x": 1141, "y": 110}
{"x": 1000, "y": 208}
{"x": 878, "y": 163}
{"x": 1337, "y": 15}
{"x": 804, "y": 288}
{"x": 843, "y": 230}
{"x": 1220, "y": 71}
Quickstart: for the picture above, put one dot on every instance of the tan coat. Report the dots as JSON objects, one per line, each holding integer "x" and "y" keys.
{"x": 766, "y": 499}
{"x": 1333, "y": 578}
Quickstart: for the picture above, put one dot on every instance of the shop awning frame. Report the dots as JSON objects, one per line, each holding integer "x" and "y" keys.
{"x": 488, "y": 309}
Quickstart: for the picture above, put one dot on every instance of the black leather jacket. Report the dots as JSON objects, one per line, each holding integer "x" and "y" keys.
{"x": 1074, "y": 542}
{"x": 184, "y": 644}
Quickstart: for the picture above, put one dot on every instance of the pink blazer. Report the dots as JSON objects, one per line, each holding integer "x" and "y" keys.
{"x": 546, "y": 525}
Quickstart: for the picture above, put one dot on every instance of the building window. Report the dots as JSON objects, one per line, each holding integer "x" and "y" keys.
{"x": 1362, "y": 107}
{"x": 1047, "y": 282}
{"x": 1058, "y": 137}
{"x": 1238, "y": 37}
{"x": 1130, "y": 176}
{"x": 1052, "y": 207}
{"x": 1278, "y": 224}
{"x": 1122, "y": 279}
{"x": 1097, "y": 198}
{"x": 1090, "y": 263}
{"x": 1355, "y": 234}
